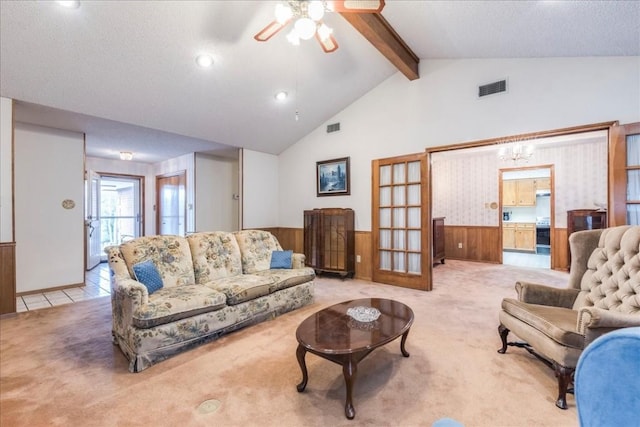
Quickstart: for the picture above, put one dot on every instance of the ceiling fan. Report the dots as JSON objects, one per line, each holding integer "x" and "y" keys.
{"x": 307, "y": 17}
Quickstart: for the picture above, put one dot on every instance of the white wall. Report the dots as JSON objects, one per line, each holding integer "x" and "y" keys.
{"x": 6, "y": 186}
{"x": 216, "y": 181}
{"x": 260, "y": 189}
{"x": 49, "y": 168}
{"x": 130, "y": 168}
{"x": 401, "y": 117}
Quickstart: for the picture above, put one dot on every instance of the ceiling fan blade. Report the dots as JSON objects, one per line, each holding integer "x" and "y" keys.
{"x": 358, "y": 6}
{"x": 329, "y": 44}
{"x": 270, "y": 31}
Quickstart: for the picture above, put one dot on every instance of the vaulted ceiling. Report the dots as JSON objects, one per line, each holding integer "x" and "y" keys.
{"x": 124, "y": 72}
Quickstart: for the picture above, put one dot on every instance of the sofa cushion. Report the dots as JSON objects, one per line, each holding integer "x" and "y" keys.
{"x": 242, "y": 288}
{"x": 281, "y": 259}
{"x": 215, "y": 255}
{"x": 283, "y": 279}
{"x": 147, "y": 274}
{"x": 170, "y": 254}
{"x": 256, "y": 247}
{"x": 179, "y": 302}
{"x": 557, "y": 323}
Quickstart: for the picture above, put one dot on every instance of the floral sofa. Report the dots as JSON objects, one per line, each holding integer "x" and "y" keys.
{"x": 212, "y": 283}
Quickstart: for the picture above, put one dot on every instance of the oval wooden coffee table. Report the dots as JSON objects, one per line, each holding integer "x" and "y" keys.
{"x": 333, "y": 335}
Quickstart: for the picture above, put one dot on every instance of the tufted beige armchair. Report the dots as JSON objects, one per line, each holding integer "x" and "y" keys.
{"x": 603, "y": 295}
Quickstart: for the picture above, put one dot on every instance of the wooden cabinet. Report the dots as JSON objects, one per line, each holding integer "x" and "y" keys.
{"x": 438, "y": 240}
{"x": 519, "y": 192}
{"x": 329, "y": 240}
{"x": 584, "y": 219}
{"x": 519, "y": 236}
{"x": 543, "y": 184}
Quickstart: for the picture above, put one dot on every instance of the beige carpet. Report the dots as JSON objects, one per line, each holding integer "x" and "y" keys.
{"x": 59, "y": 368}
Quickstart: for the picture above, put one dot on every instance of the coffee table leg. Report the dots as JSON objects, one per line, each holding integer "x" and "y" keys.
{"x": 349, "y": 370}
{"x": 300, "y": 353}
{"x": 404, "y": 339}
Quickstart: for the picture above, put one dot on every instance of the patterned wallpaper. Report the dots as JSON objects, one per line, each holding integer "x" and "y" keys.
{"x": 464, "y": 186}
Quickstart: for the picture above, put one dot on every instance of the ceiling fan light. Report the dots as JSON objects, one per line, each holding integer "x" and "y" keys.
{"x": 293, "y": 37}
{"x": 306, "y": 28}
{"x": 315, "y": 10}
{"x": 324, "y": 32}
{"x": 283, "y": 13}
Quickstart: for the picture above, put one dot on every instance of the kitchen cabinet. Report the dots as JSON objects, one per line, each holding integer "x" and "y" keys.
{"x": 329, "y": 240}
{"x": 543, "y": 184}
{"x": 519, "y": 192}
{"x": 438, "y": 240}
{"x": 519, "y": 236}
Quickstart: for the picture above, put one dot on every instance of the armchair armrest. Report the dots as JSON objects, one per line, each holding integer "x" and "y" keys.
{"x": 533, "y": 293}
{"x": 297, "y": 260}
{"x": 594, "y": 322}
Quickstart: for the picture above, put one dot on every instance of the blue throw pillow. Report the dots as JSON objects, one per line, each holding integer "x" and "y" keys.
{"x": 147, "y": 274}
{"x": 281, "y": 259}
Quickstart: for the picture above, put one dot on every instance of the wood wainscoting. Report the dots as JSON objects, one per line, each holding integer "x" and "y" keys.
{"x": 560, "y": 249}
{"x": 479, "y": 243}
{"x": 7, "y": 277}
{"x": 293, "y": 239}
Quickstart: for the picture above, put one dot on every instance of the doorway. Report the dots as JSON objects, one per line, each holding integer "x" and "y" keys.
{"x": 171, "y": 213}
{"x": 114, "y": 212}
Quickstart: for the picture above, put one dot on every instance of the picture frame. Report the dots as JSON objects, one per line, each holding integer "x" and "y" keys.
{"x": 333, "y": 177}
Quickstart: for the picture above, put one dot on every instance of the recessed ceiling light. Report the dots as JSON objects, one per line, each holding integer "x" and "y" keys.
{"x": 281, "y": 96}
{"x": 205, "y": 61}
{"x": 69, "y": 4}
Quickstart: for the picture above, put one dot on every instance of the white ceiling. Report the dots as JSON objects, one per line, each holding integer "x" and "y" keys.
{"x": 124, "y": 72}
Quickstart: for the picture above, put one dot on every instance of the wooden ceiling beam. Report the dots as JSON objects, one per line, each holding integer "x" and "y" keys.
{"x": 381, "y": 34}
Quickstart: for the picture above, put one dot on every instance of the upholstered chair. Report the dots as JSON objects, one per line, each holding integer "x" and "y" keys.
{"x": 603, "y": 294}
{"x": 607, "y": 382}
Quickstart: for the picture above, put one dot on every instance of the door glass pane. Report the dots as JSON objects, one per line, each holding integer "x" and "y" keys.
{"x": 633, "y": 184}
{"x": 398, "y": 239}
{"x": 385, "y": 239}
{"x": 385, "y": 196}
{"x": 414, "y": 240}
{"x": 398, "y": 195}
{"x": 413, "y": 194}
{"x": 385, "y": 260}
{"x": 385, "y": 175}
{"x": 633, "y": 214}
{"x": 633, "y": 150}
{"x": 398, "y": 174}
{"x": 413, "y": 215}
{"x": 399, "y": 261}
{"x": 398, "y": 218}
{"x": 119, "y": 210}
{"x": 385, "y": 218}
{"x": 414, "y": 263}
{"x": 414, "y": 171}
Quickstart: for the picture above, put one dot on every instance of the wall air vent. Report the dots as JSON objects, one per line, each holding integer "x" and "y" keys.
{"x": 491, "y": 88}
{"x": 335, "y": 127}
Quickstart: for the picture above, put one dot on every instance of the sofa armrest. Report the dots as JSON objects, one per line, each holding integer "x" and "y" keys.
{"x": 533, "y": 293}
{"x": 297, "y": 260}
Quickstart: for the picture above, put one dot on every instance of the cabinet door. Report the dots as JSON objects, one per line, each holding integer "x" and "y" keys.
{"x": 526, "y": 192}
{"x": 510, "y": 193}
{"x": 525, "y": 237}
{"x": 509, "y": 236}
{"x": 543, "y": 184}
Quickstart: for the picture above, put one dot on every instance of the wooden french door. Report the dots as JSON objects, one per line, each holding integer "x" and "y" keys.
{"x": 400, "y": 222}
{"x": 624, "y": 175}
{"x": 171, "y": 212}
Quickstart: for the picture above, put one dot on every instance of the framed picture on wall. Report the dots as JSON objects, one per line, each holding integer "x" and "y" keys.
{"x": 333, "y": 177}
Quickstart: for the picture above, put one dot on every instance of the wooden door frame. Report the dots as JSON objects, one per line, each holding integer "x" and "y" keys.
{"x": 618, "y": 172}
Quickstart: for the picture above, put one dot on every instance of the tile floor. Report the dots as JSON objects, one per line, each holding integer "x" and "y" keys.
{"x": 96, "y": 285}
{"x": 522, "y": 259}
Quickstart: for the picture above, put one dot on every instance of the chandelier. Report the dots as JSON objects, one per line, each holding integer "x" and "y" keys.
{"x": 515, "y": 152}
